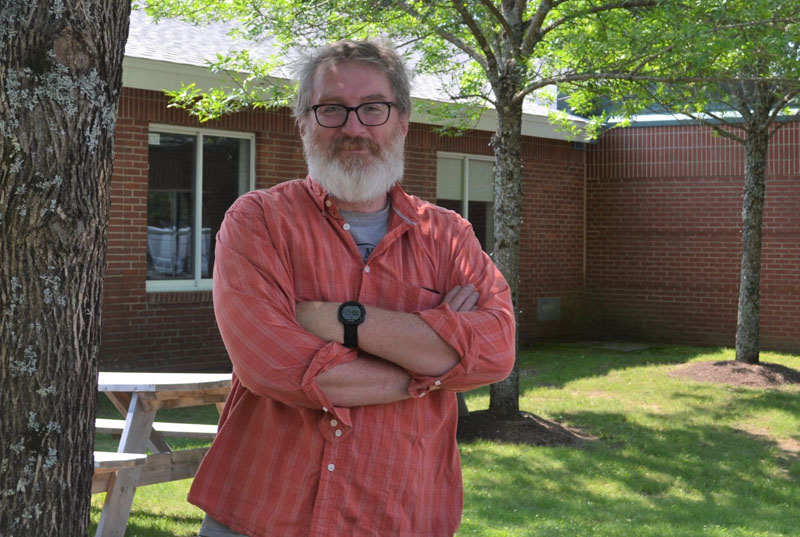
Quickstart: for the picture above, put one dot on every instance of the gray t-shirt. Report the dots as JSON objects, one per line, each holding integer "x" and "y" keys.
{"x": 368, "y": 229}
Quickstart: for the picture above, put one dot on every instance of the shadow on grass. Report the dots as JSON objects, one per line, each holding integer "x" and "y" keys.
{"x": 153, "y": 525}
{"x": 748, "y": 401}
{"x": 544, "y": 365}
{"x": 635, "y": 481}
{"x": 771, "y": 399}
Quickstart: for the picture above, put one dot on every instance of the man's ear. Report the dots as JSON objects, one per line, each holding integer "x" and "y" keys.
{"x": 301, "y": 125}
{"x": 404, "y": 123}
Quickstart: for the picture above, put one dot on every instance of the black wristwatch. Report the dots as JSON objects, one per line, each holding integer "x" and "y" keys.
{"x": 351, "y": 314}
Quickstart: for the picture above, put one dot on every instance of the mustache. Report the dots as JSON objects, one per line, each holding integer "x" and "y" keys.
{"x": 348, "y": 143}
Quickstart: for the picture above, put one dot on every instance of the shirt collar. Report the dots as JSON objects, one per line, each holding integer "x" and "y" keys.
{"x": 402, "y": 203}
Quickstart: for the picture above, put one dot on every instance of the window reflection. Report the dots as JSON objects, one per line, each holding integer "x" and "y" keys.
{"x": 466, "y": 185}
{"x": 174, "y": 208}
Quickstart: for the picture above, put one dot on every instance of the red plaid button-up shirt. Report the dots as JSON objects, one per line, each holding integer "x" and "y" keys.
{"x": 286, "y": 461}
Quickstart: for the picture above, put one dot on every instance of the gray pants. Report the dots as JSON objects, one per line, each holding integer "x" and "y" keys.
{"x": 212, "y": 528}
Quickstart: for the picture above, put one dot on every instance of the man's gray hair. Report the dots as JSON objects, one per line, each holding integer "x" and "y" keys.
{"x": 373, "y": 52}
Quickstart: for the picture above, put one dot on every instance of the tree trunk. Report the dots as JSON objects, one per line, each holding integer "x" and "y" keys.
{"x": 506, "y": 142}
{"x": 60, "y": 81}
{"x": 747, "y": 324}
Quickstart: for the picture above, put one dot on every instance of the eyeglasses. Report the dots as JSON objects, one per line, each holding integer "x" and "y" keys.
{"x": 335, "y": 115}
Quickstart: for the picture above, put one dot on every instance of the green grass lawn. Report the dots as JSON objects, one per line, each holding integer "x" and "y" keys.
{"x": 671, "y": 457}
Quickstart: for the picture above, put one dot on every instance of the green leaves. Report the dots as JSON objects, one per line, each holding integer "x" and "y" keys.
{"x": 632, "y": 52}
{"x": 720, "y": 55}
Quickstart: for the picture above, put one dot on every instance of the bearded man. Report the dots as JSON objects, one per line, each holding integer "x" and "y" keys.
{"x": 352, "y": 313}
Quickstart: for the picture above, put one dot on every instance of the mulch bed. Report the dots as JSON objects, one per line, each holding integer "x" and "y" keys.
{"x": 763, "y": 375}
{"x": 523, "y": 429}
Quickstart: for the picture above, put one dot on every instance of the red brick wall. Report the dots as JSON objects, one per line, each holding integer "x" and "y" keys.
{"x": 551, "y": 245}
{"x": 663, "y": 237}
{"x": 552, "y": 249}
{"x": 177, "y": 330}
{"x": 174, "y": 330}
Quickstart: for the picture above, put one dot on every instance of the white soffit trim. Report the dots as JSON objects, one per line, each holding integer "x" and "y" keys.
{"x": 155, "y": 75}
{"x": 140, "y": 73}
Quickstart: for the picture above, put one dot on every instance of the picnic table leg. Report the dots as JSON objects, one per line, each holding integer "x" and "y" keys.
{"x": 119, "y": 498}
{"x": 122, "y": 401}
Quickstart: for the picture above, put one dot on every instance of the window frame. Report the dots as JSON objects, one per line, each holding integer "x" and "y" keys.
{"x": 465, "y": 159}
{"x": 198, "y": 283}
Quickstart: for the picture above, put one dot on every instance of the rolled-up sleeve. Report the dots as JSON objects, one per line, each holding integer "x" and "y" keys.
{"x": 254, "y": 304}
{"x": 485, "y": 338}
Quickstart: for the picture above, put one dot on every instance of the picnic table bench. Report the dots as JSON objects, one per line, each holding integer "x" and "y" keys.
{"x": 180, "y": 430}
{"x": 138, "y": 396}
{"x": 107, "y": 464}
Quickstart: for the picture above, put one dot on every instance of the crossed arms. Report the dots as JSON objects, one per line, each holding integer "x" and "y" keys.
{"x": 285, "y": 343}
{"x": 398, "y": 342}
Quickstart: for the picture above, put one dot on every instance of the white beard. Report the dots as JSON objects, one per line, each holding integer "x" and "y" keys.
{"x": 353, "y": 180}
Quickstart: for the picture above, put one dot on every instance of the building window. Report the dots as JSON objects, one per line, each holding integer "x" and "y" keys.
{"x": 194, "y": 176}
{"x": 465, "y": 184}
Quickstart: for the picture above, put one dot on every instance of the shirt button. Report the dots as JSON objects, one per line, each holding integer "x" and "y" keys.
{"x": 328, "y": 203}
{"x": 346, "y": 226}
{"x": 334, "y": 423}
{"x": 338, "y": 432}
{"x": 324, "y": 409}
{"x": 438, "y": 383}
{"x": 331, "y": 467}
{"x": 422, "y": 394}
{"x": 366, "y": 269}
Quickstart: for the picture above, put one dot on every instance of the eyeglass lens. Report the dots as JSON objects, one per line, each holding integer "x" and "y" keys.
{"x": 335, "y": 115}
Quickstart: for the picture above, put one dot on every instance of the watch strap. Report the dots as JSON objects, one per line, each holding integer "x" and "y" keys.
{"x": 351, "y": 314}
{"x": 351, "y": 335}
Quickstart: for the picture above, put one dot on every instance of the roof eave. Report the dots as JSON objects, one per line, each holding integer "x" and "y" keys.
{"x": 156, "y": 75}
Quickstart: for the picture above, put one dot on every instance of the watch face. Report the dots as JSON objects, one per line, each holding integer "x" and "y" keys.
{"x": 351, "y": 314}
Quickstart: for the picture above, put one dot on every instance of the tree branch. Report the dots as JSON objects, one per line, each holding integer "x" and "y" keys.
{"x": 782, "y": 103}
{"x": 498, "y": 15}
{"x": 629, "y": 4}
{"x": 447, "y": 36}
{"x": 477, "y": 33}
{"x": 716, "y": 125}
{"x": 533, "y": 33}
{"x": 629, "y": 76}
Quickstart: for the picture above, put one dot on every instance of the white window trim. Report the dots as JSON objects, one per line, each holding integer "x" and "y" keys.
{"x": 465, "y": 158}
{"x": 198, "y": 283}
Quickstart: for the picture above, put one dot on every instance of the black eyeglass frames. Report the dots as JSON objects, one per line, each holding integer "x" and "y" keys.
{"x": 369, "y": 114}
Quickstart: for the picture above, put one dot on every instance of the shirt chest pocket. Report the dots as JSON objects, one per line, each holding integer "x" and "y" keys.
{"x": 408, "y": 297}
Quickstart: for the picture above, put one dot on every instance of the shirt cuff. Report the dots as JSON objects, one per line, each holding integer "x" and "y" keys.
{"x": 453, "y": 328}
{"x": 327, "y": 357}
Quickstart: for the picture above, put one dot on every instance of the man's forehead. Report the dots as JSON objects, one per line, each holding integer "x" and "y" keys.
{"x": 334, "y": 80}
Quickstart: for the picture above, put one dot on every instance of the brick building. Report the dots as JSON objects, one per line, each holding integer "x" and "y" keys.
{"x": 663, "y": 242}
{"x": 174, "y": 175}
{"x": 634, "y": 237}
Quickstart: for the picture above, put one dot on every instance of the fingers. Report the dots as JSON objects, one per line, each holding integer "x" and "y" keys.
{"x": 462, "y": 299}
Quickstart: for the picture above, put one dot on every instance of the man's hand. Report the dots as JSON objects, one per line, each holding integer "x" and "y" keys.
{"x": 462, "y": 299}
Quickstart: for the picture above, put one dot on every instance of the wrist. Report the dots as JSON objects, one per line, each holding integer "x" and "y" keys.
{"x": 319, "y": 319}
{"x": 351, "y": 314}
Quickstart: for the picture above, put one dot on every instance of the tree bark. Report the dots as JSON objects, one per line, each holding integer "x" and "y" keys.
{"x": 748, "y": 315}
{"x": 506, "y": 142}
{"x": 60, "y": 81}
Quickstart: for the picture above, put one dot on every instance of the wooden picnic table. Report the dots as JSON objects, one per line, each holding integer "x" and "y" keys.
{"x": 138, "y": 397}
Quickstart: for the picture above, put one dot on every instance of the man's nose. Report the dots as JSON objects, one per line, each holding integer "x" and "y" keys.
{"x": 353, "y": 126}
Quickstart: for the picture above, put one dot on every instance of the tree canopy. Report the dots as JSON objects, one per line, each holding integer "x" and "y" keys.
{"x": 738, "y": 71}
{"x": 487, "y": 54}
{"x": 688, "y": 55}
